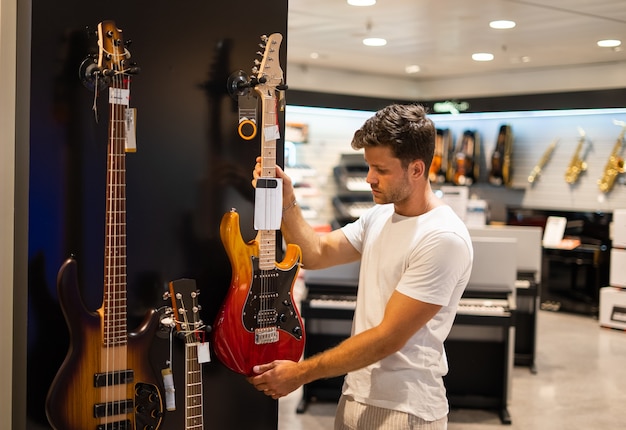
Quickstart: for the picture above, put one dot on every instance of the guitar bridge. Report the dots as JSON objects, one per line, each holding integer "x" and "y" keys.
{"x": 265, "y": 335}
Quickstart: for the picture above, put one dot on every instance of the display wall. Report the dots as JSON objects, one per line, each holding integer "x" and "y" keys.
{"x": 189, "y": 169}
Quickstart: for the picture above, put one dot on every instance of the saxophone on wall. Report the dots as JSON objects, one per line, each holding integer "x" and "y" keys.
{"x": 578, "y": 164}
{"x": 615, "y": 163}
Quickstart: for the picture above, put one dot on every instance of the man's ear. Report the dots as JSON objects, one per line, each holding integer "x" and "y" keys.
{"x": 417, "y": 168}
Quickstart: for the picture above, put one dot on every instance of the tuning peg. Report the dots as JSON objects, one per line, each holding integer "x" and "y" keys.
{"x": 166, "y": 295}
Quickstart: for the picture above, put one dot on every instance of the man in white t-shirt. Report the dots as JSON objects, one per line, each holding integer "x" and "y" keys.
{"x": 416, "y": 258}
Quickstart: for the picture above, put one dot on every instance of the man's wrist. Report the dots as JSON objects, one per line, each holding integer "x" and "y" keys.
{"x": 293, "y": 204}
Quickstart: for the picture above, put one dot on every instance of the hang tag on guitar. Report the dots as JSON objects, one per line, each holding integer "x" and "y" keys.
{"x": 130, "y": 115}
{"x": 268, "y": 205}
{"x": 204, "y": 353}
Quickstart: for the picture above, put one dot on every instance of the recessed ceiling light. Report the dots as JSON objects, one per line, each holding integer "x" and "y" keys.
{"x": 502, "y": 24}
{"x": 314, "y": 55}
{"x": 413, "y": 68}
{"x": 374, "y": 41}
{"x": 361, "y": 2}
{"x": 609, "y": 43}
{"x": 482, "y": 56}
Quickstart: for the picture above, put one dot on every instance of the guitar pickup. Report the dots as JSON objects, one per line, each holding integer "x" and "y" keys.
{"x": 118, "y": 425}
{"x": 113, "y": 378}
{"x": 121, "y": 407}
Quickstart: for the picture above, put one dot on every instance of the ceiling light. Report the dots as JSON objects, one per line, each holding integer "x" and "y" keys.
{"x": 482, "y": 56}
{"x": 502, "y": 24}
{"x": 374, "y": 41}
{"x": 413, "y": 68}
{"x": 314, "y": 55}
{"x": 361, "y": 2}
{"x": 609, "y": 43}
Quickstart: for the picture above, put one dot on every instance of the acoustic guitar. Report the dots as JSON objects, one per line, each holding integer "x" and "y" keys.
{"x": 185, "y": 307}
{"x": 258, "y": 321}
{"x": 501, "y": 169}
{"x": 465, "y": 165}
{"x": 105, "y": 381}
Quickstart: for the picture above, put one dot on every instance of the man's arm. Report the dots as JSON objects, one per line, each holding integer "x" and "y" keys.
{"x": 318, "y": 250}
{"x": 403, "y": 317}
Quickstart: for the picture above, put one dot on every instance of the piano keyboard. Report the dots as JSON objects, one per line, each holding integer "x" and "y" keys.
{"x": 499, "y": 307}
{"x": 335, "y": 303}
{"x": 357, "y": 183}
{"x": 355, "y": 210}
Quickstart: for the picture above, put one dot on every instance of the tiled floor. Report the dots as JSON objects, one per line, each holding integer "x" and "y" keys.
{"x": 580, "y": 384}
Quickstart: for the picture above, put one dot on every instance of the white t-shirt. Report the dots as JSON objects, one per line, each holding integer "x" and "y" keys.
{"x": 428, "y": 258}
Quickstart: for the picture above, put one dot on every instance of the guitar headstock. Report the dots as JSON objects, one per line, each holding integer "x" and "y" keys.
{"x": 267, "y": 72}
{"x": 113, "y": 57}
{"x": 185, "y": 307}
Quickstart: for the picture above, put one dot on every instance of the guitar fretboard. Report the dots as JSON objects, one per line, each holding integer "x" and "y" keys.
{"x": 269, "y": 134}
{"x": 193, "y": 394}
{"x": 115, "y": 324}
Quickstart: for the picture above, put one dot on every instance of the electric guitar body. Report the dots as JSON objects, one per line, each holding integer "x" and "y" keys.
{"x": 105, "y": 381}
{"x": 258, "y": 321}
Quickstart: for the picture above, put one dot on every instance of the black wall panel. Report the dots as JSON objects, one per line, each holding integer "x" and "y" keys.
{"x": 189, "y": 169}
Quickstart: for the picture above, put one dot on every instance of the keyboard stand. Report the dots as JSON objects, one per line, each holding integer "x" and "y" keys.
{"x": 480, "y": 357}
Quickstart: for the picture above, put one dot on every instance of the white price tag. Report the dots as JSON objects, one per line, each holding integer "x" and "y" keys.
{"x": 268, "y": 204}
{"x": 272, "y": 132}
{"x": 204, "y": 354}
{"x": 130, "y": 115}
{"x": 119, "y": 96}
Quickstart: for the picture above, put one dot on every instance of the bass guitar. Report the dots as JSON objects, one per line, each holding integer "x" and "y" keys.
{"x": 105, "y": 381}
{"x": 184, "y": 296}
{"x": 258, "y": 321}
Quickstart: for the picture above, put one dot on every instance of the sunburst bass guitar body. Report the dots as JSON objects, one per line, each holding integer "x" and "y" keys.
{"x": 95, "y": 388}
{"x": 258, "y": 321}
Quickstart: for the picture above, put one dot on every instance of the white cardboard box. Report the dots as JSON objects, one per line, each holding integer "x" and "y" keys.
{"x": 613, "y": 307}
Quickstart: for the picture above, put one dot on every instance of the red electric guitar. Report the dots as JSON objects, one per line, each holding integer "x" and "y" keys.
{"x": 106, "y": 381}
{"x": 259, "y": 321}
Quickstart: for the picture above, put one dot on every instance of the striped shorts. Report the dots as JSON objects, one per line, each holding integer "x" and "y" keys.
{"x": 352, "y": 415}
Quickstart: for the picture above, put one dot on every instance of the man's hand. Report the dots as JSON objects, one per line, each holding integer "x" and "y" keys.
{"x": 278, "y": 378}
{"x": 280, "y": 173}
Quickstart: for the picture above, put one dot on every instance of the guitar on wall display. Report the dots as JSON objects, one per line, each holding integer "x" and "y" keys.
{"x": 501, "y": 172}
{"x": 465, "y": 160}
{"x": 185, "y": 307}
{"x": 105, "y": 381}
{"x": 441, "y": 157}
{"x": 258, "y": 321}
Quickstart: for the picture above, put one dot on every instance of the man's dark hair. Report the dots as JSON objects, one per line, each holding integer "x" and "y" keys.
{"x": 404, "y": 128}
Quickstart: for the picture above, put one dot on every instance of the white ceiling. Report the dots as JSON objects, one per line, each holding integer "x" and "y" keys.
{"x": 441, "y": 35}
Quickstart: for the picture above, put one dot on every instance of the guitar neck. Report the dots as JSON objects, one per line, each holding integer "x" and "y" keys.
{"x": 114, "y": 300}
{"x": 269, "y": 135}
{"x": 193, "y": 387}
